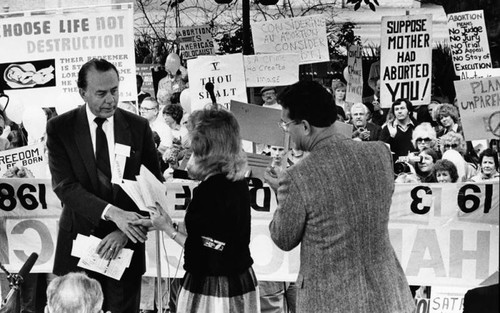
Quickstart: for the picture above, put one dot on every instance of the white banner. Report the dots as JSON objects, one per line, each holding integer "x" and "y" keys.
{"x": 469, "y": 41}
{"x": 227, "y": 74}
{"x": 406, "y": 59}
{"x": 355, "y": 72}
{"x": 479, "y": 103}
{"x": 271, "y": 69}
{"x": 304, "y": 35}
{"x": 443, "y": 234}
{"x": 42, "y": 54}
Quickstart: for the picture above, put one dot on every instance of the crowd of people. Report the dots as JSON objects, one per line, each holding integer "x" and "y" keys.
{"x": 343, "y": 267}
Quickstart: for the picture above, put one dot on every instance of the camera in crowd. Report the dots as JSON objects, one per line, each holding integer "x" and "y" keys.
{"x": 402, "y": 165}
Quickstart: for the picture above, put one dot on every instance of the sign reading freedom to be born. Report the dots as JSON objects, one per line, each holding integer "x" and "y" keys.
{"x": 303, "y": 35}
{"x": 406, "y": 59}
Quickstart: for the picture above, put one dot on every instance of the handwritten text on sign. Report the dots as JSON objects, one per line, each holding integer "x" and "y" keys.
{"x": 479, "y": 104}
{"x": 469, "y": 41}
{"x": 303, "y": 35}
{"x": 271, "y": 69}
{"x": 355, "y": 71}
{"x": 406, "y": 59}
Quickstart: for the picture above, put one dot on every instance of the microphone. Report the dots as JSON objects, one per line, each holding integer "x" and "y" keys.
{"x": 209, "y": 87}
{"x": 28, "y": 265}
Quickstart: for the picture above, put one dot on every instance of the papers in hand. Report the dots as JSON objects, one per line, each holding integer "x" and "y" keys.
{"x": 84, "y": 247}
{"x": 146, "y": 191}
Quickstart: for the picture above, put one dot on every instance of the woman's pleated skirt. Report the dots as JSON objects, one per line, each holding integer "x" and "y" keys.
{"x": 236, "y": 293}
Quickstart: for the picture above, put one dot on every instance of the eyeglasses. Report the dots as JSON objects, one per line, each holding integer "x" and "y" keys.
{"x": 284, "y": 125}
{"x": 452, "y": 146}
{"x": 147, "y": 109}
{"x": 419, "y": 140}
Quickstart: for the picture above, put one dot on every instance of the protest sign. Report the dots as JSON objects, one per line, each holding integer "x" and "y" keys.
{"x": 355, "y": 72}
{"x": 479, "y": 104}
{"x": 443, "y": 234}
{"x": 447, "y": 300}
{"x": 46, "y": 51}
{"x": 472, "y": 74}
{"x": 227, "y": 74}
{"x": 406, "y": 60}
{"x": 468, "y": 41}
{"x": 195, "y": 41}
{"x": 303, "y": 35}
{"x": 145, "y": 70}
{"x": 31, "y": 160}
{"x": 271, "y": 69}
{"x": 266, "y": 130}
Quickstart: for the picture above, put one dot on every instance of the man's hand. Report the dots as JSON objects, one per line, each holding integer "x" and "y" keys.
{"x": 271, "y": 177}
{"x": 123, "y": 219}
{"x": 111, "y": 245}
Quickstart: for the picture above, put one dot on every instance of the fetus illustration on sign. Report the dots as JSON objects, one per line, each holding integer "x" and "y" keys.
{"x": 27, "y": 75}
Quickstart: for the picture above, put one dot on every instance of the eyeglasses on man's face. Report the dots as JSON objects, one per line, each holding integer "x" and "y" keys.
{"x": 284, "y": 125}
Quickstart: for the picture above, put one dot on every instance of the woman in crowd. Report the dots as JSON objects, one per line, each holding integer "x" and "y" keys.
{"x": 216, "y": 236}
{"x": 448, "y": 119}
{"x": 445, "y": 172}
{"x": 488, "y": 161}
{"x": 428, "y": 158}
{"x": 339, "y": 95}
{"x": 424, "y": 136}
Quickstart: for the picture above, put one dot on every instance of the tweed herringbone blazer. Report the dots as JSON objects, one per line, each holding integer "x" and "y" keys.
{"x": 335, "y": 203}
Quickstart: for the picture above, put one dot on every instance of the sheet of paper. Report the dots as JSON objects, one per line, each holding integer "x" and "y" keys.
{"x": 152, "y": 190}
{"x": 85, "y": 248}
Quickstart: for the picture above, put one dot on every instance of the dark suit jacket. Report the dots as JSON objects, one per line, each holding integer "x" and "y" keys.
{"x": 482, "y": 300}
{"x": 74, "y": 180}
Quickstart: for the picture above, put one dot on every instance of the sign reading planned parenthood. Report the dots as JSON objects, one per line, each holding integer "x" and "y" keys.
{"x": 41, "y": 54}
{"x": 303, "y": 35}
{"x": 406, "y": 49}
{"x": 469, "y": 41}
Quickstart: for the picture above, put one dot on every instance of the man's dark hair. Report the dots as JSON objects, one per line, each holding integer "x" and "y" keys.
{"x": 310, "y": 101}
{"x": 99, "y": 65}
{"x": 175, "y": 111}
{"x": 409, "y": 105}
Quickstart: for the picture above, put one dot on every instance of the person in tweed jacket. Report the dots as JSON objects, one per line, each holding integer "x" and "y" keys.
{"x": 335, "y": 203}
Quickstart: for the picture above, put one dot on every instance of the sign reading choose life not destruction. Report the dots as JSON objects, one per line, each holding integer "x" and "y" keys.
{"x": 303, "y": 35}
{"x": 64, "y": 41}
{"x": 443, "y": 234}
{"x": 405, "y": 65}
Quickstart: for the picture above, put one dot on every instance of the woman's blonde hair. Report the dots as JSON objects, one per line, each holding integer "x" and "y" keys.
{"x": 216, "y": 145}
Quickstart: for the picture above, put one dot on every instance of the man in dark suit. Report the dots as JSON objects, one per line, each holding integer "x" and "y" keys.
{"x": 362, "y": 129}
{"x": 92, "y": 148}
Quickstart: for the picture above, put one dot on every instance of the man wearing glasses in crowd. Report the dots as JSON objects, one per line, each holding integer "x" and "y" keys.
{"x": 329, "y": 204}
{"x": 150, "y": 110}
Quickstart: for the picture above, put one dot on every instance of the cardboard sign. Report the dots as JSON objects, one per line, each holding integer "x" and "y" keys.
{"x": 271, "y": 69}
{"x": 227, "y": 74}
{"x": 303, "y": 35}
{"x": 469, "y": 41}
{"x": 64, "y": 41}
{"x": 473, "y": 74}
{"x": 479, "y": 105}
{"x": 30, "y": 160}
{"x": 145, "y": 70}
{"x": 355, "y": 72}
{"x": 195, "y": 41}
{"x": 405, "y": 65}
{"x": 264, "y": 131}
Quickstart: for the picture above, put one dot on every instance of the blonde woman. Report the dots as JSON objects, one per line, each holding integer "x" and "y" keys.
{"x": 219, "y": 275}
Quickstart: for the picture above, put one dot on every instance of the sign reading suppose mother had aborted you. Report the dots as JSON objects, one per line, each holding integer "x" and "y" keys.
{"x": 303, "y": 35}
{"x": 405, "y": 66}
{"x": 469, "y": 41}
{"x": 479, "y": 104}
{"x": 271, "y": 69}
{"x": 69, "y": 39}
